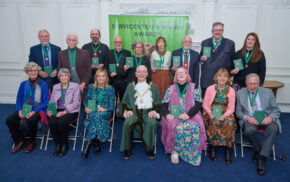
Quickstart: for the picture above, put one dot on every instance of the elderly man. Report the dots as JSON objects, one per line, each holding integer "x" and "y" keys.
{"x": 188, "y": 58}
{"x": 257, "y": 109}
{"x": 220, "y": 52}
{"x": 77, "y": 61}
{"x": 97, "y": 52}
{"x": 141, "y": 103}
{"x": 117, "y": 57}
{"x": 45, "y": 55}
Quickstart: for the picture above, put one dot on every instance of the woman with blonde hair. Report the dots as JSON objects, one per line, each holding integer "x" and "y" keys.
{"x": 102, "y": 96}
{"x": 219, "y": 107}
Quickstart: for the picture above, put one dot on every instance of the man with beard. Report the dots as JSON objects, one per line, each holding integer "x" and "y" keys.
{"x": 187, "y": 58}
{"x": 97, "y": 52}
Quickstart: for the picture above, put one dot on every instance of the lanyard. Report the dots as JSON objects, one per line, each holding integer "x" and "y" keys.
{"x": 215, "y": 45}
{"x": 252, "y": 99}
{"x": 118, "y": 58}
{"x": 63, "y": 93}
{"x": 181, "y": 94}
{"x": 45, "y": 51}
{"x": 97, "y": 48}
{"x": 248, "y": 58}
{"x": 72, "y": 57}
{"x": 220, "y": 96}
{"x": 161, "y": 57}
{"x": 138, "y": 62}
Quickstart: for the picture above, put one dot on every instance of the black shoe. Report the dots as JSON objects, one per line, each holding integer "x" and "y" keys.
{"x": 127, "y": 154}
{"x": 86, "y": 151}
{"x": 63, "y": 150}
{"x": 57, "y": 149}
{"x": 255, "y": 157}
{"x": 228, "y": 156}
{"x": 97, "y": 146}
{"x": 150, "y": 155}
{"x": 212, "y": 154}
{"x": 261, "y": 168}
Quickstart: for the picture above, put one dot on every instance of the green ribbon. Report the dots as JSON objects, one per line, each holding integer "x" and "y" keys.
{"x": 161, "y": 57}
{"x": 72, "y": 57}
{"x": 116, "y": 57}
{"x": 100, "y": 96}
{"x": 252, "y": 99}
{"x": 181, "y": 94}
{"x": 45, "y": 52}
{"x": 220, "y": 97}
{"x": 63, "y": 92}
{"x": 248, "y": 58}
{"x": 97, "y": 48}
{"x": 215, "y": 45}
{"x": 138, "y": 62}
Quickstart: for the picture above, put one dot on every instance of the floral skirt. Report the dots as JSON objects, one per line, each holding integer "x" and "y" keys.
{"x": 221, "y": 133}
{"x": 187, "y": 142}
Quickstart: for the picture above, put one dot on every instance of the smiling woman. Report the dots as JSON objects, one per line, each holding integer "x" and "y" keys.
{"x": 32, "y": 98}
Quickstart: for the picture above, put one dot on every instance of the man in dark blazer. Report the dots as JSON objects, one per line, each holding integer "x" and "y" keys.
{"x": 97, "y": 50}
{"x": 45, "y": 55}
{"x": 251, "y": 99}
{"x": 188, "y": 59}
{"x": 221, "y": 55}
{"x": 77, "y": 61}
{"x": 118, "y": 56}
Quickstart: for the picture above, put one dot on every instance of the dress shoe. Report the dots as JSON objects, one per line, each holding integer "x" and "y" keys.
{"x": 86, "y": 151}
{"x": 30, "y": 147}
{"x": 63, "y": 150}
{"x": 212, "y": 154}
{"x": 261, "y": 168}
{"x": 18, "y": 147}
{"x": 127, "y": 154}
{"x": 57, "y": 149}
{"x": 228, "y": 156}
{"x": 150, "y": 155}
{"x": 97, "y": 146}
{"x": 255, "y": 157}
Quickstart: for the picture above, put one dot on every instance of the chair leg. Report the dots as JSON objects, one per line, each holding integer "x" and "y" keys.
{"x": 83, "y": 142}
{"x": 235, "y": 150}
{"x": 47, "y": 138}
{"x": 274, "y": 152}
{"x": 241, "y": 140}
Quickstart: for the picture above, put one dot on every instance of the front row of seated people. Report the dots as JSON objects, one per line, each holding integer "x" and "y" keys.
{"x": 185, "y": 132}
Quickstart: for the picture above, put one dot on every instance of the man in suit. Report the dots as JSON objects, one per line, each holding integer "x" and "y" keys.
{"x": 221, "y": 55}
{"x": 118, "y": 56}
{"x": 77, "y": 61}
{"x": 97, "y": 50}
{"x": 188, "y": 59}
{"x": 251, "y": 99}
{"x": 45, "y": 55}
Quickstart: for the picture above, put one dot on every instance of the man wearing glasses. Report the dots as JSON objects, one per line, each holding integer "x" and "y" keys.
{"x": 117, "y": 57}
{"x": 97, "y": 52}
{"x": 216, "y": 52}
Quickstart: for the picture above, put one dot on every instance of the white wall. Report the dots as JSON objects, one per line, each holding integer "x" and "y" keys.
{"x": 21, "y": 19}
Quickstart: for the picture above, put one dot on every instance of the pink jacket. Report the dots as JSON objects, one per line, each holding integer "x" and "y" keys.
{"x": 210, "y": 95}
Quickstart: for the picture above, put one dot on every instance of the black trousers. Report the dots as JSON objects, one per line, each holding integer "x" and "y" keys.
{"x": 119, "y": 85}
{"x": 59, "y": 127}
{"x": 13, "y": 122}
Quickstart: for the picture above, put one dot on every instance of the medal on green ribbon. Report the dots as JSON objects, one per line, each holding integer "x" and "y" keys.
{"x": 216, "y": 45}
{"x": 181, "y": 94}
{"x": 118, "y": 58}
{"x": 96, "y": 49}
{"x": 138, "y": 61}
{"x": 248, "y": 58}
{"x": 220, "y": 96}
{"x": 72, "y": 58}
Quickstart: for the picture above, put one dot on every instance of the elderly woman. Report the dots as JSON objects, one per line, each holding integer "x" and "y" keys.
{"x": 219, "y": 107}
{"x": 183, "y": 131}
{"x": 65, "y": 96}
{"x": 138, "y": 59}
{"x": 101, "y": 95}
{"x": 160, "y": 64}
{"x": 253, "y": 60}
{"x": 32, "y": 98}
{"x": 141, "y": 103}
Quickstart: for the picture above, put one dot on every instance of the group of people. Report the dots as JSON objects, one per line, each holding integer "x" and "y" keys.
{"x": 162, "y": 88}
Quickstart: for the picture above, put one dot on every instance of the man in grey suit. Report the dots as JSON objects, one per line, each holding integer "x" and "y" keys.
{"x": 221, "y": 53}
{"x": 252, "y": 101}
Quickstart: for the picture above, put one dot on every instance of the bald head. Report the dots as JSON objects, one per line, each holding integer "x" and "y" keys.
{"x": 186, "y": 42}
{"x": 118, "y": 43}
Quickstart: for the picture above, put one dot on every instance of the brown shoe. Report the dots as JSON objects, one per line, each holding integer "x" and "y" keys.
{"x": 30, "y": 147}
{"x": 18, "y": 147}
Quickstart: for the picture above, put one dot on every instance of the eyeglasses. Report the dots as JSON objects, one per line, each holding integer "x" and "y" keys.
{"x": 118, "y": 42}
{"x": 32, "y": 70}
{"x": 218, "y": 30}
{"x": 138, "y": 47}
{"x": 141, "y": 71}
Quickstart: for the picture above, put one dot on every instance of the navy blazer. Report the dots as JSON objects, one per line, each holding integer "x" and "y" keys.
{"x": 221, "y": 58}
{"x": 193, "y": 64}
{"x": 36, "y": 56}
